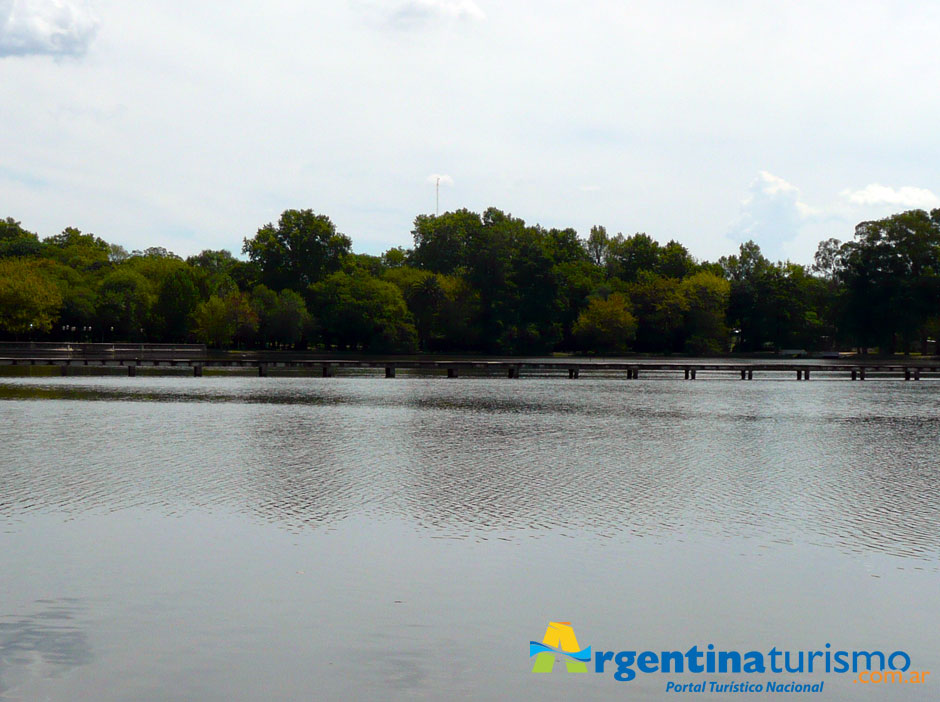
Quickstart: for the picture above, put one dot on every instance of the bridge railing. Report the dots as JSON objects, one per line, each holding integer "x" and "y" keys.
{"x": 66, "y": 349}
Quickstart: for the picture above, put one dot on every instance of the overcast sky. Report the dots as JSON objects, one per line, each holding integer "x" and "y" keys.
{"x": 190, "y": 124}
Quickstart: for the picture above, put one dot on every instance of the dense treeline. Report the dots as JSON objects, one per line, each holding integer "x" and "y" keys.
{"x": 485, "y": 283}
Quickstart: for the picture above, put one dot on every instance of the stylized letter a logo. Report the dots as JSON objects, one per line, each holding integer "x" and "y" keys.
{"x": 559, "y": 638}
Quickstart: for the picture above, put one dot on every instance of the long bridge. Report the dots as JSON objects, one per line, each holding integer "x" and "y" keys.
{"x": 133, "y": 357}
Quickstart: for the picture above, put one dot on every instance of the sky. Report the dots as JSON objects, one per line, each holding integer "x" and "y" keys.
{"x": 190, "y": 125}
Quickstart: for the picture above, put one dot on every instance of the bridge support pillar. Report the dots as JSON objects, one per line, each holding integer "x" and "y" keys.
{"x": 806, "y": 374}
{"x": 799, "y": 374}
{"x": 907, "y": 374}
{"x": 327, "y": 370}
{"x": 686, "y": 373}
{"x": 451, "y": 372}
{"x": 692, "y": 373}
{"x": 132, "y": 370}
{"x": 65, "y": 369}
{"x": 389, "y": 371}
{"x": 854, "y": 374}
{"x": 917, "y": 374}
{"x": 513, "y": 372}
{"x": 262, "y": 370}
{"x": 750, "y": 374}
{"x": 573, "y": 373}
{"x": 743, "y": 374}
{"x": 861, "y": 374}
{"x": 197, "y": 371}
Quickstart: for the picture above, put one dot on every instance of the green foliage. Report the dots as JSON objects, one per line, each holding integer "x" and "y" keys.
{"x": 395, "y": 258}
{"x": 627, "y": 258}
{"x": 125, "y": 299}
{"x": 29, "y": 300}
{"x": 358, "y": 312}
{"x": 243, "y": 317}
{"x": 482, "y": 283}
{"x": 425, "y": 298}
{"x": 283, "y": 318}
{"x": 291, "y": 318}
{"x": 598, "y": 246}
{"x": 216, "y": 262}
{"x": 774, "y": 306}
{"x": 77, "y": 250}
{"x": 16, "y": 241}
{"x": 299, "y": 251}
{"x": 890, "y": 275}
{"x": 175, "y": 304}
{"x": 606, "y": 325}
{"x": 441, "y": 242}
{"x": 660, "y": 308}
{"x": 706, "y": 301}
{"x": 213, "y": 323}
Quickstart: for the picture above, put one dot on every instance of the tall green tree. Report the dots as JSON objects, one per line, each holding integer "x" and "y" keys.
{"x": 301, "y": 250}
{"x": 29, "y": 300}
{"x": 16, "y": 241}
{"x": 606, "y": 325}
{"x": 359, "y": 312}
{"x": 660, "y": 309}
{"x": 213, "y": 323}
{"x": 125, "y": 299}
{"x": 891, "y": 276}
{"x": 706, "y": 297}
{"x": 175, "y": 304}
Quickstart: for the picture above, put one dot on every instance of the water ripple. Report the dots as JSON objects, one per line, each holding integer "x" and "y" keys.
{"x": 847, "y": 465}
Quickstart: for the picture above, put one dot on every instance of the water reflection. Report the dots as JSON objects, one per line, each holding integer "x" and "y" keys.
{"x": 43, "y": 644}
{"x": 838, "y": 464}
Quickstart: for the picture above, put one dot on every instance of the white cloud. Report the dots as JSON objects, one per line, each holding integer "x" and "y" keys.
{"x": 648, "y": 100}
{"x": 444, "y": 179}
{"x": 52, "y": 27}
{"x": 907, "y": 196}
{"x": 771, "y": 214}
{"x": 410, "y": 12}
{"x": 769, "y": 184}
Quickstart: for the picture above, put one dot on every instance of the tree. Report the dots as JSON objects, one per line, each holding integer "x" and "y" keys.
{"x": 16, "y": 241}
{"x": 706, "y": 297}
{"x": 175, "y": 304}
{"x": 425, "y": 299}
{"x": 213, "y": 261}
{"x": 29, "y": 301}
{"x": 281, "y": 318}
{"x": 598, "y": 246}
{"x": 627, "y": 258}
{"x": 291, "y": 318}
{"x": 80, "y": 251}
{"x": 301, "y": 250}
{"x": 606, "y": 325}
{"x": 675, "y": 261}
{"x": 124, "y": 303}
{"x": 213, "y": 323}
{"x": 243, "y": 317}
{"x": 891, "y": 276}
{"x": 441, "y": 241}
{"x": 660, "y": 310}
{"x": 395, "y": 258}
{"x": 362, "y": 312}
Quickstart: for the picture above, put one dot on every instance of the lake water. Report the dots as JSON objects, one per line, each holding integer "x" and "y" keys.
{"x": 372, "y": 539}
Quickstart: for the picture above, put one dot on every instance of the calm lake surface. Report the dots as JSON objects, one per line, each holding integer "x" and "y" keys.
{"x": 372, "y": 539}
